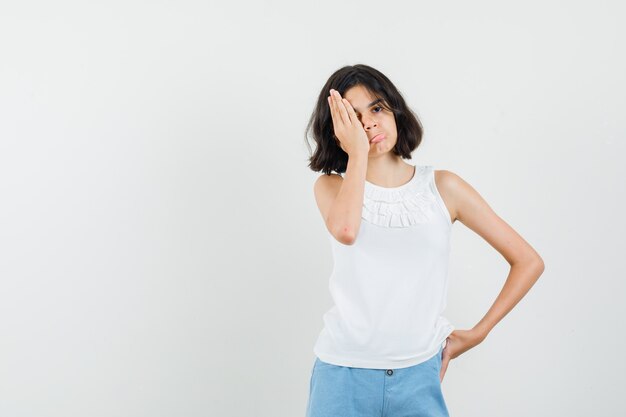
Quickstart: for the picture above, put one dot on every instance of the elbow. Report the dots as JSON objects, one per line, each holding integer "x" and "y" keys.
{"x": 537, "y": 262}
{"x": 345, "y": 235}
{"x": 533, "y": 263}
{"x": 537, "y": 265}
{"x": 540, "y": 265}
{"x": 344, "y": 230}
{"x": 346, "y": 239}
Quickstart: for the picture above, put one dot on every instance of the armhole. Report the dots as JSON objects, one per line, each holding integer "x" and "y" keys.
{"x": 440, "y": 202}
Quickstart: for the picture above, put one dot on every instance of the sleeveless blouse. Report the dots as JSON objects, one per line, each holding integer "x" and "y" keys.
{"x": 389, "y": 287}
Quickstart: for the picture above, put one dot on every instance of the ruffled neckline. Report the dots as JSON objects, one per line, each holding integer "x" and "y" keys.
{"x": 406, "y": 205}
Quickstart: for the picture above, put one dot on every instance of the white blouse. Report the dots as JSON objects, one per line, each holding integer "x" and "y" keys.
{"x": 390, "y": 286}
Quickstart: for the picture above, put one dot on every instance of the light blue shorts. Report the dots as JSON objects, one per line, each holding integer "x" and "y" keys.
{"x": 342, "y": 391}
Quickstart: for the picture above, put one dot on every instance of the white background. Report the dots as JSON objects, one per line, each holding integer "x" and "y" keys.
{"x": 161, "y": 253}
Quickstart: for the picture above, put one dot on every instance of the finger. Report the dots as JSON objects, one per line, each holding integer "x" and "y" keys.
{"x": 342, "y": 109}
{"x": 353, "y": 117}
{"x": 444, "y": 366}
{"x": 335, "y": 118}
{"x": 338, "y": 118}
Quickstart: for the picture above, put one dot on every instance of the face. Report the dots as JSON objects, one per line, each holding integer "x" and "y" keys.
{"x": 374, "y": 118}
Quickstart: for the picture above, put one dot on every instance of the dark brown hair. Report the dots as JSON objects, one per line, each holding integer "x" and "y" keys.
{"x": 328, "y": 155}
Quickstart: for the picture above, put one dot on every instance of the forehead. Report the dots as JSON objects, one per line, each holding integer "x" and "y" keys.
{"x": 358, "y": 95}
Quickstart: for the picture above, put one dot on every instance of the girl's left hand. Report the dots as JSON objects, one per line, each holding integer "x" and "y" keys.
{"x": 458, "y": 342}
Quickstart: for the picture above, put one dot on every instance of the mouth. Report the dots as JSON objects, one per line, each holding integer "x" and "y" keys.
{"x": 378, "y": 138}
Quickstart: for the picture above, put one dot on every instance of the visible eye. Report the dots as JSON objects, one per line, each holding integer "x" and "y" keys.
{"x": 380, "y": 108}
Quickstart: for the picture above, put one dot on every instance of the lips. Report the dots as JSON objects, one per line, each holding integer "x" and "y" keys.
{"x": 377, "y": 138}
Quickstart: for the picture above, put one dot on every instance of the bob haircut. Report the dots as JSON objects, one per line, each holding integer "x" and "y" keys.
{"x": 328, "y": 155}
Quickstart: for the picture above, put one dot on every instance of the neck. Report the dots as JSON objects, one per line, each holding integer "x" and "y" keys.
{"x": 388, "y": 170}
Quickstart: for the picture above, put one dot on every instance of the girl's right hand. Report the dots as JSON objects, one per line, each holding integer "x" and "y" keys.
{"x": 348, "y": 128}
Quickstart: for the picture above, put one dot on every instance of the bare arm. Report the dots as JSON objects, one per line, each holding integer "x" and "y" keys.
{"x": 472, "y": 210}
{"x": 340, "y": 201}
{"x": 526, "y": 264}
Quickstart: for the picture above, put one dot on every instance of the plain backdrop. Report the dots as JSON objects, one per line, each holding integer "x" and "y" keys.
{"x": 161, "y": 252}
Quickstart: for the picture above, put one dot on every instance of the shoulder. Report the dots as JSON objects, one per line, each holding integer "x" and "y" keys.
{"x": 446, "y": 179}
{"x": 450, "y": 185}
{"x": 462, "y": 198}
{"x": 326, "y": 183}
{"x": 325, "y": 189}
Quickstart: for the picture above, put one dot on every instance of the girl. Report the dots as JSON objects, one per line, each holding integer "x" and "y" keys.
{"x": 385, "y": 345}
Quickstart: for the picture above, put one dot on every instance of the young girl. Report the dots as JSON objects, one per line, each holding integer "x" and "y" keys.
{"x": 385, "y": 345}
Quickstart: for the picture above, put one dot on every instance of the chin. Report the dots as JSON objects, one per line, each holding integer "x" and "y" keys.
{"x": 384, "y": 145}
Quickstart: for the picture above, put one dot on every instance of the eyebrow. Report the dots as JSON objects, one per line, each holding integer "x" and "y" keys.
{"x": 370, "y": 105}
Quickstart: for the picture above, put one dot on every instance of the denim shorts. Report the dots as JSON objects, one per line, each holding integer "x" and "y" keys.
{"x": 342, "y": 391}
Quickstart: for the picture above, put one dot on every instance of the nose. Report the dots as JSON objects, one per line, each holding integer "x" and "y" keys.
{"x": 368, "y": 124}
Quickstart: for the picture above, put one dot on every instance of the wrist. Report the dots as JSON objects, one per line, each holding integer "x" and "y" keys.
{"x": 358, "y": 155}
{"x": 480, "y": 332}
